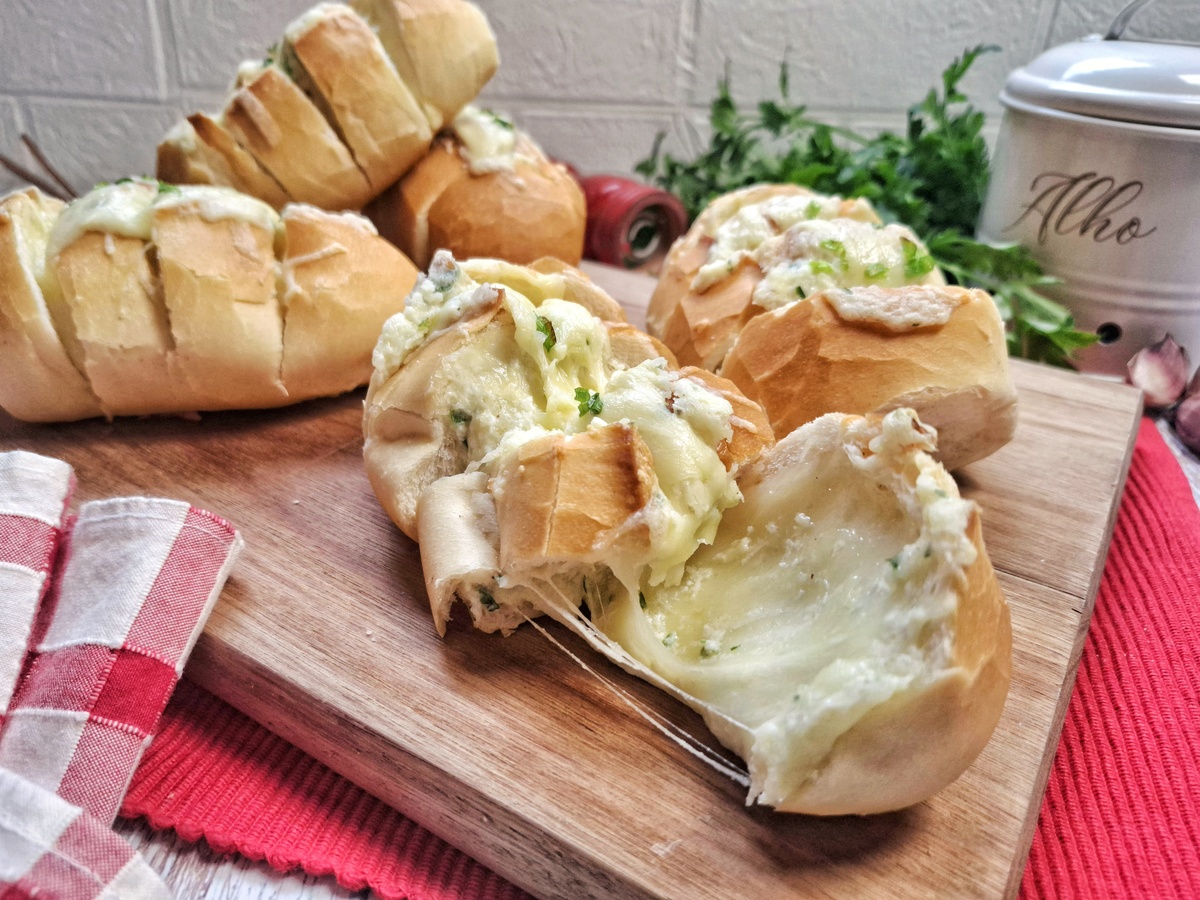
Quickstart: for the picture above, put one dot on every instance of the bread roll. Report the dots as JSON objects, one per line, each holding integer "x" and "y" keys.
{"x": 143, "y": 298}
{"x": 485, "y": 347}
{"x": 342, "y": 107}
{"x": 810, "y": 305}
{"x": 485, "y": 189}
{"x": 825, "y": 603}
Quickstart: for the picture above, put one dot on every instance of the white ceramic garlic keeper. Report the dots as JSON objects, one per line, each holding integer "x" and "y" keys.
{"x": 1097, "y": 171}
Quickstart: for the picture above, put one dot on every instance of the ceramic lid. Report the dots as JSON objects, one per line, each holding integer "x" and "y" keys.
{"x": 1132, "y": 81}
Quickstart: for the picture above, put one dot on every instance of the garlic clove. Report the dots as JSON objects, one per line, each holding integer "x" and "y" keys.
{"x": 1160, "y": 371}
{"x": 1187, "y": 419}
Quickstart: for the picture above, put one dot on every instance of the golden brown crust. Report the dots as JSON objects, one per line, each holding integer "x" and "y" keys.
{"x": 272, "y": 118}
{"x": 535, "y": 210}
{"x": 341, "y": 282}
{"x": 362, "y": 94}
{"x": 444, "y": 50}
{"x": 806, "y": 360}
{"x": 200, "y": 151}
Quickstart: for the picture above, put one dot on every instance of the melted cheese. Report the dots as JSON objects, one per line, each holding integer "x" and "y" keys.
{"x": 808, "y": 243}
{"x": 488, "y": 142}
{"x": 507, "y": 386}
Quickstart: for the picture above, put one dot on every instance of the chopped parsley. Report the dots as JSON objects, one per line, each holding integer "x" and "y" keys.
{"x": 546, "y": 327}
{"x": 812, "y": 210}
{"x": 876, "y": 270}
{"x": 641, "y": 600}
{"x": 916, "y": 261}
{"x": 838, "y": 249}
{"x": 800, "y": 292}
{"x": 820, "y": 267}
{"x": 488, "y": 601}
{"x": 164, "y": 188}
{"x": 589, "y": 401}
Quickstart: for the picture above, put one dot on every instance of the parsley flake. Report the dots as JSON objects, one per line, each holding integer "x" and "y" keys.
{"x": 488, "y": 601}
{"x": 589, "y": 401}
{"x": 876, "y": 270}
{"x": 916, "y": 261}
{"x": 546, "y": 327}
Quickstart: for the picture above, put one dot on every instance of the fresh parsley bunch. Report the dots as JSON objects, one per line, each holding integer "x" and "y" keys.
{"x": 932, "y": 178}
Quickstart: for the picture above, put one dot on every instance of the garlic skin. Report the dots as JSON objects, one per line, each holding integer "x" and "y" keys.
{"x": 1187, "y": 422}
{"x": 1160, "y": 371}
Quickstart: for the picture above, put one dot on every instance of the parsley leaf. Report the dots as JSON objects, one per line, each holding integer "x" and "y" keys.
{"x": 932, "y": 177}
{"x": 546, "y": 327}
{"x": 589, "y": 401}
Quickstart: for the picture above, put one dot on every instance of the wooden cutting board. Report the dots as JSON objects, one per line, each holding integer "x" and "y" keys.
{"x": 534, "y": 765}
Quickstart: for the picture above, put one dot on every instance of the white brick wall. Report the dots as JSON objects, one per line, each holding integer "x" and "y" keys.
{"x": 97, "y": 83}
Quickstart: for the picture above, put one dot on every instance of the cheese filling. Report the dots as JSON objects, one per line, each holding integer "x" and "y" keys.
{"x": 553, "y": 371}
{"x": 488, "y": 142}
{"x": 805, "y": 244}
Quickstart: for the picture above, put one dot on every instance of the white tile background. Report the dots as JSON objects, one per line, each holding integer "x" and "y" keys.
{"x": 97, "y": 83}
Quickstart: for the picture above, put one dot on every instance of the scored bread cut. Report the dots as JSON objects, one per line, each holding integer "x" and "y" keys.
{"x": 811, "y": 305}
{"x": 345, "y": 103}
{"x": 334, "y": 271}
{"x": 341, "y": 63}
{"x": 444, "y": 50}
{"x": 38, "y": 380}
{"x": 825, "y": 602}
{"x": 272, "y": 118}
{"x": 485, "y": 189}
{"x": 199, "y": 150}
{"x": 142, "y": 298}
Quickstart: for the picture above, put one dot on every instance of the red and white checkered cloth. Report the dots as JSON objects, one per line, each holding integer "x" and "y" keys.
{"x": 97, "y": 618}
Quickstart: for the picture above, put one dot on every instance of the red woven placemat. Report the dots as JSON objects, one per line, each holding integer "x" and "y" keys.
{"x": 1120, "y": 817}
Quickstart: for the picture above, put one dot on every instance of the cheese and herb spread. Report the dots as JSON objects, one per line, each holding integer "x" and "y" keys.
{"x": 806, "y": 243}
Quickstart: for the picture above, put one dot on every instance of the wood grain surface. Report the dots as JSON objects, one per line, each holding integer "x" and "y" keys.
{"x": 540, "y": 768}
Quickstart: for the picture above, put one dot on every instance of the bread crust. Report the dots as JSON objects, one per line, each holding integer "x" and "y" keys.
{"x": 362, "y": 94}
{"x": 340, "y": 284}
{"x": 272, "y": 118}
{"x": 443, "y": 49}
{"x": 806, "y": 360}
{"x": 38, "y": 381}
{"x": 536, "y": 209}
{"x": 190, "y": 316}
{"x": 199, "y": 150}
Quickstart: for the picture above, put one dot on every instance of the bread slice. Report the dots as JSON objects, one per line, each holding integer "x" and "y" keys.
{"x": 938, "y": 350}
{"x": 341, "y": 282}
{"x": 216, "y": 257}
{"x": 38, "y": 381}
{"x": 339, "y": 61}
{"x": 198, "y": 150}
{"x": 443, "y": 49}
{"x": 110, "y": 286}
{"x": 273, "y": 119}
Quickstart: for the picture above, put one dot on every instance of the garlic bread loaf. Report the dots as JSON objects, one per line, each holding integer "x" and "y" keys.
{"x": 143, "y": 298}
{"x": 342, "y": 107}
{"x": 825, "y": 602}
{"x": 485, "y": 189}
{"x": 810, "y": 304}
